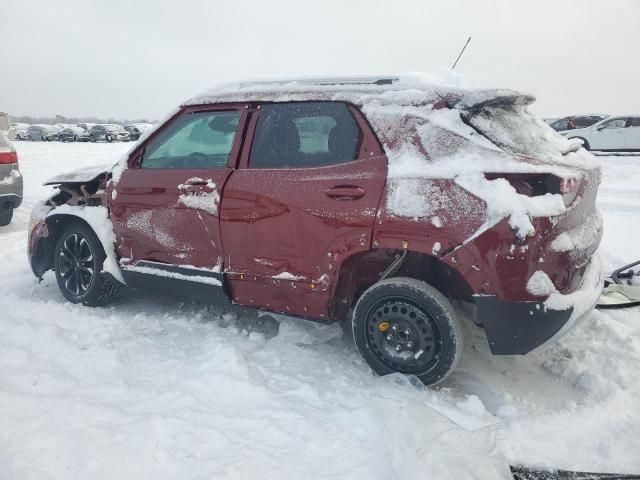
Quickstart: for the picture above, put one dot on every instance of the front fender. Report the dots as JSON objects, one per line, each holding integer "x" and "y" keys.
{"x": 97, "y": 217}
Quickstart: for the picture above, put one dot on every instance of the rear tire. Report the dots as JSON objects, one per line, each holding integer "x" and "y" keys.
{"x": 78, "y": 260}
{"x": 405, "y": 325}
{"x": 6, "y": 214}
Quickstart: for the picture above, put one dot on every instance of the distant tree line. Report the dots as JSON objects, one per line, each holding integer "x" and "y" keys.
{"x": 73, "y": 120}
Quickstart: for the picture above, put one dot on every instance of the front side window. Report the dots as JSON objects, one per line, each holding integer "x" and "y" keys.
{"x": 304, "y": 134}
{"x": 194, "y": 140}
{"x": 615, "y": 123}
{"x": 634, "y": 122}
{"x": 582, "y": 122}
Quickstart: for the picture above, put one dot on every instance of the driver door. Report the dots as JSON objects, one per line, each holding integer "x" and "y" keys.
{"x": 610, "y": 135}
{"x": 165, "y": 206}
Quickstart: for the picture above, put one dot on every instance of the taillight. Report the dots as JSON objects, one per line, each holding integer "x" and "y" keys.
{"x": 536, "y": 184}
{"x": 569, "y": 189}
{"x": 8, "y": 157}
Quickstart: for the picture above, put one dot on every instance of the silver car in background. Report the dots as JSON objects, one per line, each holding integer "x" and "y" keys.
{"x": 108, "y": 132}
{"x": 42, "y": 132}
{"x": 10, "y": 180}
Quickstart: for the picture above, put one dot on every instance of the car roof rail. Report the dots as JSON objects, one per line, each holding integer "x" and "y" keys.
{"x": 375, "y": 80}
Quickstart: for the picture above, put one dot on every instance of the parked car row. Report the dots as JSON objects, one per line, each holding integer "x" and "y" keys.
{"x": 82, "y": 132}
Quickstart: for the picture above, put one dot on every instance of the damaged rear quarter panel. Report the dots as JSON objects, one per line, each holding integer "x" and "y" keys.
{"x": 432, "y": 215}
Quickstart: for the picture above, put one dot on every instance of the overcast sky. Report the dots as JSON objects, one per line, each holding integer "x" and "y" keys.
{"x": 133, "y": 58}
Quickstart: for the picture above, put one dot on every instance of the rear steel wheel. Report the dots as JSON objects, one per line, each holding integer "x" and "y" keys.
{"x": 405, "y": 325}
{"x": 404, "y": 336}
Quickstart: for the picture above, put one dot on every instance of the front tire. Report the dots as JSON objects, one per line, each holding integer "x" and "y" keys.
{"x": 405, "y": 325}
{"x": 585, "y": 144}
{"x": 6, "y": 214}
{"x": 78, "y": 260}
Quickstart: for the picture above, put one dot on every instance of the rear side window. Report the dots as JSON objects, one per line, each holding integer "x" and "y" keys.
{"x": 195, "y": 140}
{"x": 615, "y": 123}
{"x": 304, "y": 134}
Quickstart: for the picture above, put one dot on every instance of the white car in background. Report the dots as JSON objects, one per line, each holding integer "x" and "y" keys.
{"x": 18, "y": 131}
{"x": 618, "y": 133}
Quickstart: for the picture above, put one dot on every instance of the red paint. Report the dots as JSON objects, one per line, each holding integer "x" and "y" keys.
{"x": 316, "y": 223}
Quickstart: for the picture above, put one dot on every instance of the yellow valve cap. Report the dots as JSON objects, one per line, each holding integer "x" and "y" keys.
{"x": 383, "y": 326}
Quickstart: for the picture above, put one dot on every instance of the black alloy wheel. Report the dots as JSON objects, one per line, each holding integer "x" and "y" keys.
{"x": 78, "y": 260}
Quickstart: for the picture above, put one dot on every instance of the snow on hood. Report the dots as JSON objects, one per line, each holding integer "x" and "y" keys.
{"x": 82, "y": 175}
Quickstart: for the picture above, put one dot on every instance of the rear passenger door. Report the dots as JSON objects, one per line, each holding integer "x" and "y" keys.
{"x": 304, "y": 198}
{"x": 610, "y": 135}
{"x": 632, "y": 141}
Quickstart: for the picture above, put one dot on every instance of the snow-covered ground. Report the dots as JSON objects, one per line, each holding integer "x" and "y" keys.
{"x": 152, "y": 387}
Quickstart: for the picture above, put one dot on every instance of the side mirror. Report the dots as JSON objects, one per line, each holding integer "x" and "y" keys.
{"x": 601, "y": 127}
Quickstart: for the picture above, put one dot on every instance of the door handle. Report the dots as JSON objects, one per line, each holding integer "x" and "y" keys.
{"x": 344, "y": 192}
{"x": 195, "y": 185}
{"x": 141, "y": 190}
{"x": 195, "y": 189}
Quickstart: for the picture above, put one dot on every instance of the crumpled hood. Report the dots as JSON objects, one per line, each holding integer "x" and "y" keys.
{"x": 83, "y": 175}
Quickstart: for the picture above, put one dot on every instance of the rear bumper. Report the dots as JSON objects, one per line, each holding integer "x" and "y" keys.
{"x": 518, "y": 327}
{"x": 11, "y": 188}
{"x": 15, "y": 200}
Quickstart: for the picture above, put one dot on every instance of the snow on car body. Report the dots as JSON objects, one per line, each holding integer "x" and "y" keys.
{"x": 375, "y": 199}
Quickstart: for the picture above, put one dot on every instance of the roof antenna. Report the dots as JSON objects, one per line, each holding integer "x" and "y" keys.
{"x": 461, "y": 52}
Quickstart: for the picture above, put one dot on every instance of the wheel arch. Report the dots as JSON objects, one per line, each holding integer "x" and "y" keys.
{"x": 585, "y": 142}
{"x": 56, "y": 223}
{"x": 363, "y": 269}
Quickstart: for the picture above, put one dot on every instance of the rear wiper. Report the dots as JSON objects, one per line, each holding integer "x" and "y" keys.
{"x": 468, "y": 123}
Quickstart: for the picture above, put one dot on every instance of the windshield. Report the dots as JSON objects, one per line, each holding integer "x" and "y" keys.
{"x": 113, "y": 128}
{"x": 515, "y": 130}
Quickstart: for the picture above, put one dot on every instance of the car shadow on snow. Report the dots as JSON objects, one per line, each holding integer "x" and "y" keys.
{"x": 494, "y": 380}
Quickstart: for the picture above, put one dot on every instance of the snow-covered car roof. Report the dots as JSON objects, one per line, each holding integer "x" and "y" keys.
{"x": 408, "y": 89}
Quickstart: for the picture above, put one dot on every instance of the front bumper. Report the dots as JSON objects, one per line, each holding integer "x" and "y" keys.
{"x": 518, "y": 327}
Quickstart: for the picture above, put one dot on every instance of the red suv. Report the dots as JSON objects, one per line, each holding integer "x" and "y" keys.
{"x": 370, "y": 201}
